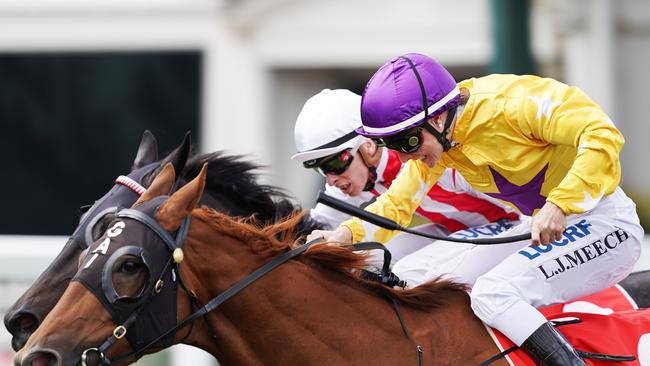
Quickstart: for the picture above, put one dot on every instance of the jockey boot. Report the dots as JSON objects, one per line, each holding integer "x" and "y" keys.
{"x": 549, "y": 348}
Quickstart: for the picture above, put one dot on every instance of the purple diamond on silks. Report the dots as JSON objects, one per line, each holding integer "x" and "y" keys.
{"x": 526, "y": 197}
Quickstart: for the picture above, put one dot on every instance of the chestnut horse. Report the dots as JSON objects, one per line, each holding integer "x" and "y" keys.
{"x": 311, "y": 310}
{"x": 231, "y": 187}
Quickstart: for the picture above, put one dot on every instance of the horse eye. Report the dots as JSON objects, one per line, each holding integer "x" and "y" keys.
{"x": 129, "y": 266}
{"x": 101, "y": 226}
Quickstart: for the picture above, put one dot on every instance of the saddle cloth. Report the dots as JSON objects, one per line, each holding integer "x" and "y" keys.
{"x": 611, "y": 324}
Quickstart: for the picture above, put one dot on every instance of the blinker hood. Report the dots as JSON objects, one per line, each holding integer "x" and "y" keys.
{"x": 127, "y": 235}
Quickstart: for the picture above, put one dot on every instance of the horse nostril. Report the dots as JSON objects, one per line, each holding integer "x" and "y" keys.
{"x": 42, "y": 358}
{"x": 27, "y": 322}
{"x": 23, "y": 321}
{"x": 21, "y": 325}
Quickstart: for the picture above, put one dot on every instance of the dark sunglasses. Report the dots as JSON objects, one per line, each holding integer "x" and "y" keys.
{"x": 408, "y": 141}
{"x": 333, "y": 164}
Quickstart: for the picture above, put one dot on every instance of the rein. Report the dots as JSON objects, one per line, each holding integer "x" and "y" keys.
{"x": 386, "y": 277}
{"x": 120, "y": 331}
{"x": 211, "y": 305}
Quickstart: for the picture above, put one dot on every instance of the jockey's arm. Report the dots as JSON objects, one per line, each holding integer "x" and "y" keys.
{"x": 398, "y": 203}
{"x": 568, "y": 117}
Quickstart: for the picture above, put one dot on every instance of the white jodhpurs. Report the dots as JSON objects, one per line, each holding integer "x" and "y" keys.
{"x": 598, "y": 249}
{"x": 438, "y": 257}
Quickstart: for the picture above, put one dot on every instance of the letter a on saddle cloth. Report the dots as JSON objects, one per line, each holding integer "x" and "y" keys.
{"x": 610, "y": 324}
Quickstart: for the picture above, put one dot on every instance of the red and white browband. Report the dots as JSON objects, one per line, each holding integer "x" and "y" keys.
{"x": 135, "y": 186}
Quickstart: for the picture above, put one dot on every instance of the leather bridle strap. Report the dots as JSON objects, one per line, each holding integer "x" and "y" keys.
{"x": 230, "y": 292}
{"x": 257, "y": 274}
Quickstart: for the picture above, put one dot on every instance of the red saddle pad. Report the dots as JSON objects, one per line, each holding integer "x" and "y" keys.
{"x": 611, "y": 324}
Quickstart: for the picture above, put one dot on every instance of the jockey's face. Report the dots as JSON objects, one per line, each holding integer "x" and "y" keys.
{"x": 431, "y": 150}
{"x": 353, "y": 180}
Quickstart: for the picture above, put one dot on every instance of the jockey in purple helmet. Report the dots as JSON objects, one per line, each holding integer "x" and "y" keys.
{"x": 541, "y": 146}
{"x": 391, "y": 105}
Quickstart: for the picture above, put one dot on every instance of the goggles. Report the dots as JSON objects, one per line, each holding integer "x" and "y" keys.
{"x": 333, "y": 164}
{"x": 408, "y": 141}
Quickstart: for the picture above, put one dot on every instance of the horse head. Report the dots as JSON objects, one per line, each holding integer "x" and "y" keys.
{"x": 125, "y": 285}
{"x": 25, "y": 315}
{"x": 231, "y": 187}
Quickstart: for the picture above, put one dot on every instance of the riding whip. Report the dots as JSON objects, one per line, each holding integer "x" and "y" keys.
{"x": 389, "y": 224}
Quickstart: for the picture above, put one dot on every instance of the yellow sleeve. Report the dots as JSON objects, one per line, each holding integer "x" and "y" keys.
{"x": 399, "y": 203}
{"x": 562, "y": 115}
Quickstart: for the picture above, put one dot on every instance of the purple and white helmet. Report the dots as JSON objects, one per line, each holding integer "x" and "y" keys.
{"x": 394, "y": 98}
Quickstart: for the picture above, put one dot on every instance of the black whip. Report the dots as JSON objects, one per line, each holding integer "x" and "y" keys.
{"x": 389, "y": 224}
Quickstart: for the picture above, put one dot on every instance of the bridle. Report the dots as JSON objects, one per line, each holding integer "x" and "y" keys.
{"x": 175, "y": 245}
{"x": 127, "y": 316}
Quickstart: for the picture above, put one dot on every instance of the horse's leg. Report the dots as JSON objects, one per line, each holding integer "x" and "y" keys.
{"x": 637, "y": 285}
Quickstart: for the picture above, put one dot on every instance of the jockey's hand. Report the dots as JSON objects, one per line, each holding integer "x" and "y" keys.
{"x": 341, "y": 235}
{"x": 548, "y": 224}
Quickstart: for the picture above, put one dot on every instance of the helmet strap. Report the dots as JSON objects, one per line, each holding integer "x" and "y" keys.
{"x": 442, "y": 137}
{"x": 372, "y": 169}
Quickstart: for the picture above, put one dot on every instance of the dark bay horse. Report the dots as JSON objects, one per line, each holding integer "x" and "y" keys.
{"x": 311, "y": 310}
{"x": 25, "y": 315}
{"x": 231, "y": 187}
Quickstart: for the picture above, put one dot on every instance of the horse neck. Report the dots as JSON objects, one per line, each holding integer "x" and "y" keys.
{"x": 302, "y": 314}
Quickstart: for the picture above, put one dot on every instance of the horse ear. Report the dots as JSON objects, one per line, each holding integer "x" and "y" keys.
{"x": 172, "y": 212}
{"x": 147, "y": 151}
{"x": 179, "y": 156}
{"x": 160, "y": 186}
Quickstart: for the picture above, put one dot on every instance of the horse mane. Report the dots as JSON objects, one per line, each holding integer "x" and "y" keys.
{"x": 273, "y": 239}
{"x": 237, "y": 179}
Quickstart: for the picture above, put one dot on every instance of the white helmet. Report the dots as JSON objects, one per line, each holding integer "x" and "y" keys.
{"x": 327, "y": 123}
